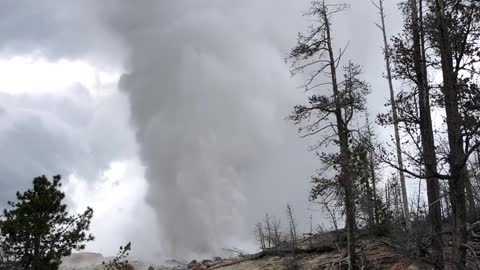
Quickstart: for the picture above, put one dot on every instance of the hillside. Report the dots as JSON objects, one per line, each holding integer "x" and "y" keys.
{"x": 321, "y": 251}
{"x": 317, "y": 252}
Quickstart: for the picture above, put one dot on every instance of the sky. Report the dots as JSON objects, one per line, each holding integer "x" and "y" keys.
{"x": 168, "y": 117}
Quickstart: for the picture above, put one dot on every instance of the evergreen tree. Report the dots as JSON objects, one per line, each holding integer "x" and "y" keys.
{"x": 330, "y": 113}
{"x": 454, "y": 34}
{"x": 37, "y": 231}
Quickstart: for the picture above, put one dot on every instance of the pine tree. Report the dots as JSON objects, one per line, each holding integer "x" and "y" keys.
{"x": 414, "y": 28}
{"x": 454, "y": 32}
{"x": 330, "y": 113}
{"x": 38, "y": 230}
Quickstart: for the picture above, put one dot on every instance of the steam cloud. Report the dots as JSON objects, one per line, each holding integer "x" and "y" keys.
{"x": 208, "y": 94}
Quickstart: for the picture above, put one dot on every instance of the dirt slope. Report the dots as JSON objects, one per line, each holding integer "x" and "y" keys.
{"x": 319, "y": 252}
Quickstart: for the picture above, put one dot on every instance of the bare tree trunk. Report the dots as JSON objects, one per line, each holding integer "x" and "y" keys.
{"x": 455, "y": 139}
{"x": 448, "y": 207}
{"x": 269, "y": 231}
{"x": 293, "y": 227}
{"x": 472, "y": 213}
{"x": 419, "y": 195}
{"x": 276, "y": 231}
{"x": 426, "y": 132}
{"x": 372, "y": 173}
{"x": 395, "y": 120}
{"x": 395, "y": 198}
{"x": 370, "y": 202}
{"x": 333, "y": 216}
{"x": 387, "y": 197}
{"x": 442, "y": 207}
{"x": 345, "y": 181}
{"x": 311, "y": 232}
{"x": 374, "y": 187}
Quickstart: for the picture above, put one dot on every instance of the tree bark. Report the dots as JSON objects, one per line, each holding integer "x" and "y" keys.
{"x": 455, "y": 140}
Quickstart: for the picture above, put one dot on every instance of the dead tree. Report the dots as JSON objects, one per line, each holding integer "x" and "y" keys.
{"x": 268, "y": 228}
{"x": 332, "y": 112}
{"x": 386, "y": 53}
{"x": 260, "y": 236}
{"x": 331, "y": 208}
{"x": 276, "y": 232}
{"x": 292, "y": 227}
{"x": 372, "y": 166}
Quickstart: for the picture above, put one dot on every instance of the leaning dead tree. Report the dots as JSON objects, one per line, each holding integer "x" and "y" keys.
{"x": 292, "y": 227}
{"x": 331, "y": 107}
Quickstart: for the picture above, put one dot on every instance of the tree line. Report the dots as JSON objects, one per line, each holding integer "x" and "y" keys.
{"x": 435, "y": 57}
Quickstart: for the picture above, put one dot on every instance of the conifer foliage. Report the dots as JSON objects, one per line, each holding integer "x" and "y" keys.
{"x": 38, "y": 231}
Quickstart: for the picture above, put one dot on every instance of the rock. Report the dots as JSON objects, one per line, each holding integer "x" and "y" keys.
{"x": 192, "y": 264}
{"x": 217, "y": 259}
{"x": 82, "y": 259}
{"x": 206, "y": 261}
{"x": 151, "y": 268}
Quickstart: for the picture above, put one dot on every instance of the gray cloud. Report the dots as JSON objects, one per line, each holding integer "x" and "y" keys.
{"x": 66, "y": 133}
{"x": 56, "y": 29}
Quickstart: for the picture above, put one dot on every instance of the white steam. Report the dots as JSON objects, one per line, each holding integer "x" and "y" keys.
{"x": 209, "y": 94}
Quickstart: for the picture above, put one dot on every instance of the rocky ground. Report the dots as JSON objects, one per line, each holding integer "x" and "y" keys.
{"x": 93, "y": 261}
{"x": 317, "y": 252}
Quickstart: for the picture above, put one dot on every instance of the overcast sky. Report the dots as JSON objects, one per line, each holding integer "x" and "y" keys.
{"x": 167, "y": 117}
